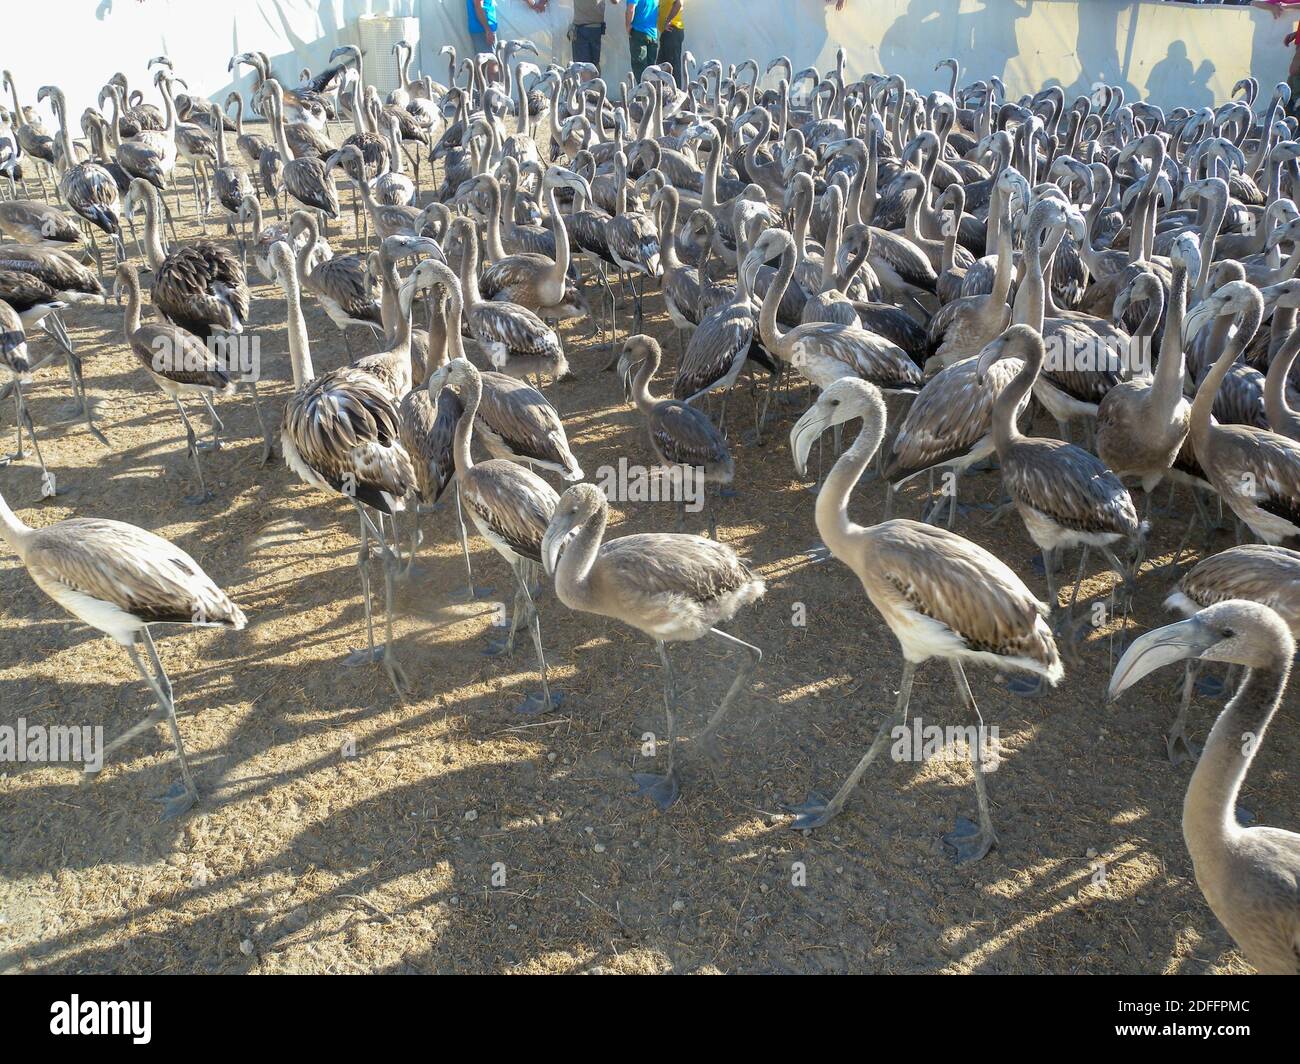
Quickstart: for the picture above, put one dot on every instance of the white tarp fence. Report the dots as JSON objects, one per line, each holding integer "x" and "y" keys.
{"x": 1170, "y": 53}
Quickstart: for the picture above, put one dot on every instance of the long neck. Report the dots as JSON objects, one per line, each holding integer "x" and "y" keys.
{"x": 1031, "y": 295}
{"x": 359, "y": 116}
{"x": 802, "y": 220}
{"x": 1005, "y": 429}
{"x": 495, "y": 249}
{"x": 1203, "y": 404}
{"x": 394, "y": 148}
{"x": 471, "y": 394}
{"x": 831, "y": 256}
{"x": 455, "y": 342}
{"x": 219, "y": 136}
{"x": 1210, "y": 233}
{"x": 437, "y": 330}
{"x": 767, "y": 323}
{"x": 169, "y": 109}
{"x": 752, "y": 163}
{"x": 838, "y": 532}
{"x": 153, "y": 244}
{"x": 400, "y": 345}
{"x": 12, "y": 529}
{"x": 574, "y": 568}
{"x": 255, "y": 207}
{"x": 560, "y": 265}
{"x": 1002, "y": 278}
{"x": 641, "y": 384}
{"x": 1209, "y": 809}
{"x": 668, "y": 243}
{"x": 469, "y": 270}
{"x": 299, "y": 346}
{"x": 277, "y": 125}
{"x": 950, "y": 242}
{"x": 1171, "y": 372}
{"x": 709, "y": 194}
{"x": 65, "y": 135}
{"x": 1275, "y": 405}
{"x": 132, "y": 306}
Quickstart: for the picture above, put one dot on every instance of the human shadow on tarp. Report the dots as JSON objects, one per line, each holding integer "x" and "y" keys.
{"x": 1174, "y": 78}
{"x": 983, "y": 41}
{"x": 1098, "y": 49}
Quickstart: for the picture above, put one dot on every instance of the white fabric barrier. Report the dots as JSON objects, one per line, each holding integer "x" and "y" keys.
{"x": 1170, "y": 53}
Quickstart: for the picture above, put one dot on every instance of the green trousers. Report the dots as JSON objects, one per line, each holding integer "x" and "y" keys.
{"x": 645, "y": 51}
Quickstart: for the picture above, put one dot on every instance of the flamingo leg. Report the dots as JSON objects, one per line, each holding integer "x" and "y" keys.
{"x": 471, "y": 592}
{"x": 707, "y": 738}
{"x": 1178, "y": 746}
{"x": 546, "y": 699}
{"x": 19, "y": 454}
{"x": 216, "y": 423}
{"x": 47, "y": 481}
{"x": 181, "y": 797}
{"x": 192, "y": 448}
{"x": 971, "y": 842}
{"x": 815, "y": 810}
{"x": 268, "y": 445}
{"x": 506, "y": 647}
{"x": 664, "y": 789}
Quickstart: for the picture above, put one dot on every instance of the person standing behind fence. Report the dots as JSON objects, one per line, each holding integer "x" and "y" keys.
{"x": 588, "y": 29}
{"x": 672, "y": 35}
{"x": 482, "y": 18}
{"x": 642, "y": 34}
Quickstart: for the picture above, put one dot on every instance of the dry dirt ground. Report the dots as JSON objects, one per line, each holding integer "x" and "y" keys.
{"x": 463, "y": 837}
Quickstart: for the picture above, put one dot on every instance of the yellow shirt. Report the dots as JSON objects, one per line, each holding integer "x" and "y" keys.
{"x": 676, "y": 23}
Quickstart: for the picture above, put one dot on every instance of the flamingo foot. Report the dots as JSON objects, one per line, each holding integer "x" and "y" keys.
{"x": 968, "y": 841}
{"x": 662, "y": 790}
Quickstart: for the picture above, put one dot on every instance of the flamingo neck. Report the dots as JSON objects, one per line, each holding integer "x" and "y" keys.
{"x": 573, "y": 573}
{"x": 1005, "y": 430}
{"x": 1276, "y": 408}
{"x": 645, "y": 402}
{"x": 299, "y": 345}
{"x": 768, "y": 328}
{"x": 1203, "y": 404}
{"x": 1171, "y": 372}
{"x": 13, "y": 530}
{"x": 837, "y": 530}
{"x": 1209, "y": 809}
{"x": 471, "y": 395}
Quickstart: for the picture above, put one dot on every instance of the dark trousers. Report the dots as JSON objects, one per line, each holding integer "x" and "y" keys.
{"x": 670, "y": 51}
{"x": 586, "y": 43}
{"x": 644, "y": 49}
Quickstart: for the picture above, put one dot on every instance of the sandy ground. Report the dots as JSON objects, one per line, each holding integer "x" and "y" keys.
{"x": 340, "y": 830}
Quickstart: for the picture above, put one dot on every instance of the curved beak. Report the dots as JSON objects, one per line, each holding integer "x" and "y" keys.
{"x": 421, "y": 247}
{"x": 807, "y": 430}
{"x": 438, "y": 378}
{"x": 559, "y": 533}
{"x": 625, "y": 375}
{"x": 992, "y": 353}
{"x": 1121, "y": 304}
{"x": 1198, "y": 317}
{"x": 1164, "y": 646}
{"x": 405, "y": 297}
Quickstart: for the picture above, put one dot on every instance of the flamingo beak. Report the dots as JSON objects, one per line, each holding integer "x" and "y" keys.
{"x": 1164, "y": 646}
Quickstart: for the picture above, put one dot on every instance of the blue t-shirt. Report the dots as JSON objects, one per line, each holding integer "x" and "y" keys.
{"x": 645, "y": 18}
{"x": 489, "y": 9}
